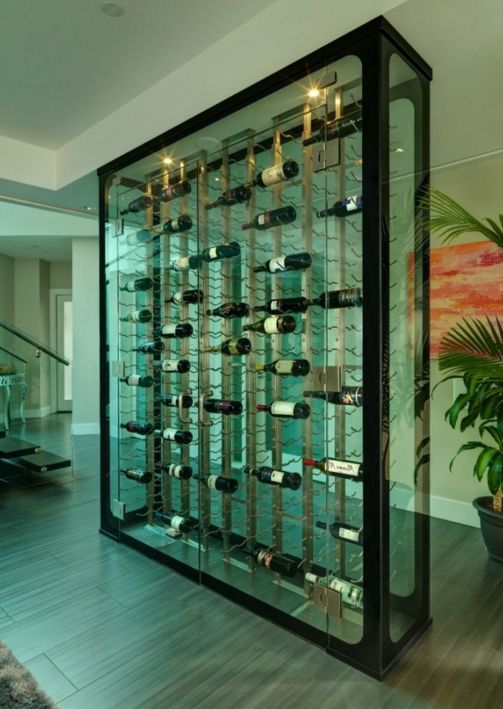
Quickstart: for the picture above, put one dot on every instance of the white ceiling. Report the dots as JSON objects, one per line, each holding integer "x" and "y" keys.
{"x": 66, "y": 65}
{"x": 46, "y": 248}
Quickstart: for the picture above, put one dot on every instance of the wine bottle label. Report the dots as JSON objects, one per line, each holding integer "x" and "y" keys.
{"x": 169, "y": 365}
{"x": 311, "y": 578}
{"x": 130, "y": 286}
{"x": 343, "y": 467}
{"x": 134, "y": 380}
{"x": 264, "y": 558}
{"x": 233, "y": 347}
{"x": 169, "y": 434}
{"x": 271, "y": 326}
{"x": 211, "y": 481}
{"x": 351, "y": 203}
{"x": 213, "y": 253}
{"x": 277, "y": 476}
{"x": 275, "y": 305}
{"x": 176, "y": 522}
{"x": 282, "y": 408}
{"x": 174, "y": 471}
{"x": 277, "y": 264}
{"x": 350, "y": 534}
{"x": 272, "y": 175}
{"x": 177, "y": 297}
{"x": 181, "y": 264}
{"x": 170, "y": 400}
{"x": 284, "y": 366}
{"x": 264, "y": 219}
{"x": 169, "y": 331}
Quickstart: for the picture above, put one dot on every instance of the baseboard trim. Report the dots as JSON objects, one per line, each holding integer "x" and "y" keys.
{"x": 454, "y": 511}
{"x": 85, "y": 429}
{"x": 38, "y": 413}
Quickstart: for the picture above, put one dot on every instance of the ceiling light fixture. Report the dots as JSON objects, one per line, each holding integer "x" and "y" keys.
{"x": 167, "y": 161}
{"x": 88, "y": 208}
{"x": 111, "y": 9}
{"x": 314, "y": 92}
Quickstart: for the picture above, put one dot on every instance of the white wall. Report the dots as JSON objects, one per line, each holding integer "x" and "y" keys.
{"x": 85, "y": 377}
{"x": 60, "y": 275}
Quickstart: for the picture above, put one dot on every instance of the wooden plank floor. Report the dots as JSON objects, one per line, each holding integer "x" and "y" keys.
{"x": 101, "y": 626}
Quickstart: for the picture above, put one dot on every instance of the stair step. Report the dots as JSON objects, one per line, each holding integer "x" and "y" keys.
{"x": 14, "y": 447}
{"x": 43, "y": 461}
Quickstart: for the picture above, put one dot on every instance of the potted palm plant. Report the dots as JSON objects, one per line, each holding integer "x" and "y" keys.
{"x": 472, "y": 351}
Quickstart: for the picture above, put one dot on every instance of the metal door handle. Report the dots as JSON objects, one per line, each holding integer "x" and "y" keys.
{"x": 202, "y": 399}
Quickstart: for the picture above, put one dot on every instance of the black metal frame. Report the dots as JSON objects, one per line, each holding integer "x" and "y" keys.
{"x": 373, "y": 43}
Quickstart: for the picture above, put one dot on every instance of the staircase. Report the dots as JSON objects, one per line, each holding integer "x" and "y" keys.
{"x": 19, "y": 455}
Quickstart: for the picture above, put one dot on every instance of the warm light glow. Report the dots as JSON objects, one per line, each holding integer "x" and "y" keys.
{"x": 399, "y": 150}
{"x": 167, "y": 161}
{"x": 314, "y": 92}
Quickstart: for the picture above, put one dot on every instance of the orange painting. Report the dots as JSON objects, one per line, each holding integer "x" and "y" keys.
{"x": 466, "y": 281}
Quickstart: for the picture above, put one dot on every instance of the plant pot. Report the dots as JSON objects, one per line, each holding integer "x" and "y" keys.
{"x": 491, "y": 525}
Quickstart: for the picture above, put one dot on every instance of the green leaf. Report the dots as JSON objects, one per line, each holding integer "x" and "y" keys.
{"x": 483, "y": 461}
{"x": 499, "y": 420}
{"x": 487, "y": 427}
{"x": 453, "y": 412}
{"x": 467, "y": 447}
{"x": 495, "y": 473}
{"x": 473, "y": 347}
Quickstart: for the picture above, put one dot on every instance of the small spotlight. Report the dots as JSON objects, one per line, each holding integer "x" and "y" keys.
{"x": 399, "y": 150}
{"x": 88, "y": 208}
{"x": 167, "y": 161}
{"x": 314, "y": 92}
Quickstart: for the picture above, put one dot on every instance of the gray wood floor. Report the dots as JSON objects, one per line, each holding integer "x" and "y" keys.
{"x": 101, "y": 627}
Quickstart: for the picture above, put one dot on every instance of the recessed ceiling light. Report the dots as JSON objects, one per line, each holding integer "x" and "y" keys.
{"x": 112, "y": 9}
{"x": 88, "y": 209}
{"x": 314, "y": 92}
{"x": 167, "y": 161}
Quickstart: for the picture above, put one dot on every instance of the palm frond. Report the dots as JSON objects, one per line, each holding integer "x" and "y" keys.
{"x": 450, "y": 220}
{"x": 473, "y": 347}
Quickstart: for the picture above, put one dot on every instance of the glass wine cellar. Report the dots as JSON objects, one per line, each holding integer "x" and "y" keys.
{"x": 264, "y": 325}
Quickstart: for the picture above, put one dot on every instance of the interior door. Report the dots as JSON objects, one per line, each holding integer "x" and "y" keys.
{"x": 64, "y": 329}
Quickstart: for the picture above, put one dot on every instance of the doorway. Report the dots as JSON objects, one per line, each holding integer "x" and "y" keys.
{"x": 62, "y": 340}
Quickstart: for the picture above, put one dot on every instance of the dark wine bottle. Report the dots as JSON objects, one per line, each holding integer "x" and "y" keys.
{"x": 269, "y": 476}
{"x": 347, "y": 396}
{"x": 175, "y": 400}
{"x": 150, "y": 347}
{"x": 341, "y": 530}
{"x": 139, "y": 476}
{"x": 281, "y": 324}
{"x": 135, "y": 380}
{"x": 236, "y": 195}
{"x": 230, "y": 310}
{"x": 272, "y": 218}
{"x": 340, "y": 298}
{"x": 291, "y": 262}
{"x": 286, "y": 367}
{"x": 177, "y": 224}
{"x": 137, "y": 316}
{"x": 218, "y": 482}
{"x": 172, "y": 434}
{"x": 274, "y": 562}
{"x": 238, "y": 346}
{"x": 284, "y": 305}
{"x": 286, "y": 409}
{"x": 277, "y": 173}
{"x": 183, "y": 472}
{"x": 177, "y": 522}
{"x": 144, "y": 429}
{"x": 350, "y": 205}
{"x": 178, "y": 189}
{"x": 223, "y": 406}
{"x": 184, "y": 263}
{"x": 172, "y": 365}
{"x": 140, "y": 204}
{"x": 175, "y": 330}
{"x": 338, "y": 468}
{"x": 339, "y": 128}
{"x": 221, "y": 251}
{"x": 137, "y": 284}
{"x": 186, "y": 296}
{"x": 140, "y": 237}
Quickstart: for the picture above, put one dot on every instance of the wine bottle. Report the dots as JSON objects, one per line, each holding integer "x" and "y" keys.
{"x": 140, "y": 237}
{"x": 181, "y": 524}
{"x": 351, "y": 594}
{"x": 137, "y": 284}
{"x": 183, "y": 472}
{"x": 340, "y": 298}
{"x": 230, "y": 310}
{"x": 172, "y": 365}
{"x": 269, "y": 476}
{"x": 218, "y": 482}
{"x": 186, "y": 296}
{"x": 223, "y": 406}
{"x": 150, "y": 347}
{"x": 277, "y": 173}
{"x": 144, "y": 429}
{"x": 175, "y": 400}
{"x": 347, "y": 396}
{"x": 291, "y": 262}
{"x": 274, "y": 562}
{"x": 139, "y": 476}
{"x": 281, "y": 324}
{"x": 339, "y": 128}
{"x": 137, "y": 316}
{"x": 178, "y": 189}
{"x": 238, "y": 346}
{"x": 284, "y": 305}
{"x": 274, "y": 217}
{"x": 135, "y": 380}
{"x": 350, "y": 205}
{"x": 216, "y": 253}
{"x": 286, "y": 367}
{"x": 236, "y": 195}
{"x": 172, "y": 434}
{"x": 339, "y": 468}
{"x": 184, "y": 263}
{"x": 341, "y": 530}
{"x": 286, "y": 409}
{"x": 138, "y": 205}
{"x": 175, "y": 330}
{"x": 177, "y": 224}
